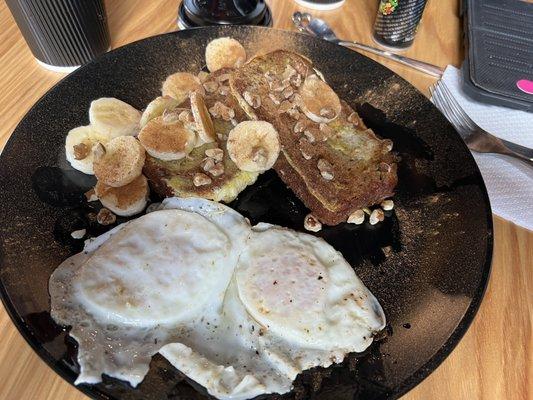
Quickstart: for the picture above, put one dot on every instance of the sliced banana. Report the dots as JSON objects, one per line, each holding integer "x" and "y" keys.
{"x": 204, "y": 124}
{"x": 224, "y": 53}
{"x": 79, "y": 147}
{"x": 114, "y": 117}
{"x": 318, "y": 101}
{"x": 157, "y": 107}
{"x": 253, "y": 145}
{"x": 126, "y": 200}
{"x": 167, "y": 138}
{"x": 119, "y": 161}
{"x": 180, "y": 85}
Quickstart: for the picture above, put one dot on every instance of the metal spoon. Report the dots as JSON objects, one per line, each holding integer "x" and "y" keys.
{"x": 306, "y": 23}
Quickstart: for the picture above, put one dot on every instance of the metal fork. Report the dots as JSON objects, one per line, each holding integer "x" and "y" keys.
{"x": 476, "y": 138}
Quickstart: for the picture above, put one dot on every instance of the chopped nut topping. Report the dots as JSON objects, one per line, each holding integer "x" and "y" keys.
{"x": 367, "y": 210}
{"x": 311, "y": 223}
{"x": 270, "y": 76}
{"x": 229, "y": 115}
{"x": 288, "y": 73}
{"x": 201, "y": 180}
{"x": 79, "y": 234}
{"x": 376, "y": 216}
{"x": 357, "y": 217}
{"x": 186, "y": 116}
{"x": 287, "y": 92}
{"x": 294, "y": 113}
{"x": 384, "y": 167}
{"x": 216, "y": 154}
{"x": 234, "y": 122}
{"x": 90, "y": 195}
{"x": 81, "y": 151}
{"x": 299, "y": 127}
{"x": 305, "y": 155}
{"x": 285, "y": 106}
{"x": 217, "y": 170}
{"x": 105, "y": 217}
{"x": 327, "y": 113}
{"x": 207, "y": 164}
{"x": 274, "y": 98}
{"x": 277, "y": 86}
{"x": 286, "y": 83}
{"x": 387, "y": 251}
{"x": 211, "y": 86}
{"x": 309, "y": 136}
{"x": 221, "y": 136}
{"x": 252, "y": 99}
{"x": 387, "y": 145}
{"x": 202, "y": 75}
{"x": 387, "y": 205}
{"x": 353, "y": 118}
{"x": 326, "y": 169}
{"x": 296, "y": 80}
{"x": 219, "y": 110}
{"x": 296, "y": 98}
{"x": 327, "y": 175}
{"x": 223, "y": 77}
{"x": 223, "y": 90}
{"x": 326, "y": 130}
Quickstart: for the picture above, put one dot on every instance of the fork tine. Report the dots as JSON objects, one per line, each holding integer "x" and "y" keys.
{"x": 454, "y": 112}
{"x": 445, "y": 108}
{"x": 459, "y": 110}
{"x": 437, "y": 100}
{"x": 450, "y": 114}
{"x": 432, "y": 88}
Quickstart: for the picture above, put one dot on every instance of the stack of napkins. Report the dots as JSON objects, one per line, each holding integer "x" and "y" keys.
{"x": 508, "y": 180}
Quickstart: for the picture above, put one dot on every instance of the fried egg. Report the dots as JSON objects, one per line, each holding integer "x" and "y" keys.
{"x": 137, "y": 286}
{"x": 239, "y": 310}
{"x": 293, "y": 303}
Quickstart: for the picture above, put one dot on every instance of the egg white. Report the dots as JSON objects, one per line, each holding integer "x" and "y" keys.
{"x": 239, "y": 310}
{"x": 304, "y": 291}
{"x": 279, "y": 318}
{"x": 143, "y": 283}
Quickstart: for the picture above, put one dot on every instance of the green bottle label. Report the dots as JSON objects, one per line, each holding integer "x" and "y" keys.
{"x": 387, "y": 7}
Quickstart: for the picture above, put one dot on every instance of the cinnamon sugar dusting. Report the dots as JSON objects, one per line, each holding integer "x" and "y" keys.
{"x": 125, "y": 195}
{"x": 165, "y": 137}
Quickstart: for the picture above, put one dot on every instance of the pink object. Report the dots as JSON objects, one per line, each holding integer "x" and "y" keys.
{"x": 525, "y": 85}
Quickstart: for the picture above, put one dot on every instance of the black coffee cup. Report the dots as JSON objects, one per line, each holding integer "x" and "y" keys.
{"x": 62, "y": 34}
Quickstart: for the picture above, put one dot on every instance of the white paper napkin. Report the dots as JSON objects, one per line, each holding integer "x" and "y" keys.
{"x": 509, "y": 181}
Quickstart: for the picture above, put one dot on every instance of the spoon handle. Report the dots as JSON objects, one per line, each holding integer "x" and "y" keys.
{"x": 422, "y": 66}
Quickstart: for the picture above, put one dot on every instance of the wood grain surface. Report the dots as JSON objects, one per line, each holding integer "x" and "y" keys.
{"x": 493, "y": 361}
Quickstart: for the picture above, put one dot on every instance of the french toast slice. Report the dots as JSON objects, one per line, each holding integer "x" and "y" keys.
{"x": 176, "y": 178}
{"x": 335, "y": 168}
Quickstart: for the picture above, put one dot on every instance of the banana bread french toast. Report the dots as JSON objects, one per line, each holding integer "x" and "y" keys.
{"x": 333, "y": 163}
{"x": 177, "y": 178}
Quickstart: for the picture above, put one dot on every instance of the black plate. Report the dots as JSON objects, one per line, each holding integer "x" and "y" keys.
{"x": 428, "y": 263}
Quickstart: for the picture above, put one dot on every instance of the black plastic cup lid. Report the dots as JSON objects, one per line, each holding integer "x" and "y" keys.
{"x": 202, "y": 13}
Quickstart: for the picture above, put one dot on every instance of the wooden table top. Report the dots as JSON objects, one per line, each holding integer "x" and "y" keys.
{"x": 492, "y": 361}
